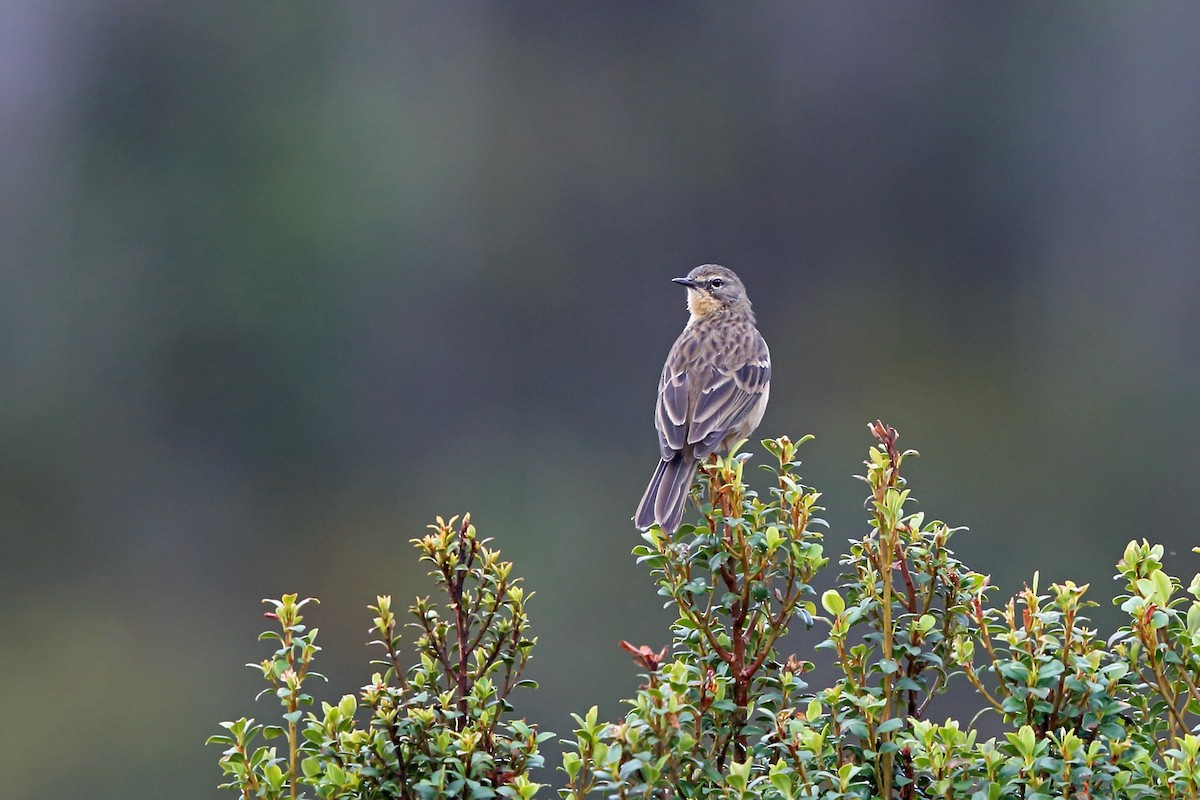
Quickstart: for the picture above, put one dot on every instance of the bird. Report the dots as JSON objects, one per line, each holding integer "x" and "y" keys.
{"x": 712, "y": 393}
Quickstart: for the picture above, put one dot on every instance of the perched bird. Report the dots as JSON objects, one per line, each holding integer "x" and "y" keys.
{"x": 712, "y": 393}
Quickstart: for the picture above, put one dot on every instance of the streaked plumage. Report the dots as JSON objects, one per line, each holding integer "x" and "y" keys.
{"x": 712, "y": 392}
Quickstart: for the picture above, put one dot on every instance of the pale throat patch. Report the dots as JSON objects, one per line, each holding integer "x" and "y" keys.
{"x": 700, "y": 303}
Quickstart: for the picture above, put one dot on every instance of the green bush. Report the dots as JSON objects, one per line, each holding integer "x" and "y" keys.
{"x": 435, "y": 729}
{"x": 722, "y": 714}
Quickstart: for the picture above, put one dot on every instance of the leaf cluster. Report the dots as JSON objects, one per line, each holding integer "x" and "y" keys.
{"x": 723, "y": 715}
{"x": 722, "y": 712}
{"x": 437, "y": 728}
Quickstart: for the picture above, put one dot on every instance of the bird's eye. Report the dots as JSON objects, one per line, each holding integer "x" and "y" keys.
{"x": 716, "y": 283}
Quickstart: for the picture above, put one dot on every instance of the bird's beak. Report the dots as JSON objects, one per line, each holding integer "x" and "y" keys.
{"x": 688, "y": 282}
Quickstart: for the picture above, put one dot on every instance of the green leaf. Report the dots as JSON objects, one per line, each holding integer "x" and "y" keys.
{"x": 888, "y": 726}
{"x": 1193, "y": 618}
{"x": 1162, "y": 587}
{"x": 832, "y": 602}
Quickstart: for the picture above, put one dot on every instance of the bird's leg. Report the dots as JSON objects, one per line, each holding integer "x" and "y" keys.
{"x": 718, "y": 482}
{"x": 708, "y": 469}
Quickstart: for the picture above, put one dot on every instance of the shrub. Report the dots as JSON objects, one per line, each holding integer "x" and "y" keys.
{"x": 434, "y": 729}
{"x": 723, "y": 714}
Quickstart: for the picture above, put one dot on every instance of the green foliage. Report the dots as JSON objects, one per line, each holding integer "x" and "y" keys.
{"x": 737, "y": 582}
{"x": 722, "y": 713}
{"x": 436, "y": 729}
{"x": 721, "y": 716}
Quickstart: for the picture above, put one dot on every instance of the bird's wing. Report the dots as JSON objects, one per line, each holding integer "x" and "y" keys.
{"x": 671, "y": 413}
{"x": 730, "y": 387}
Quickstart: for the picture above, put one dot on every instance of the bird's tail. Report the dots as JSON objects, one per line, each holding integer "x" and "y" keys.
{"x": 666, "y": 494}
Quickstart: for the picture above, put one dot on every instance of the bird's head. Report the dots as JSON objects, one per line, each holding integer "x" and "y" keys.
{"x": 712, "y": 287}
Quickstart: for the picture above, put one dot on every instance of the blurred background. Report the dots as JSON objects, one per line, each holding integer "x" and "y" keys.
{"x": 281, "y": 282}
